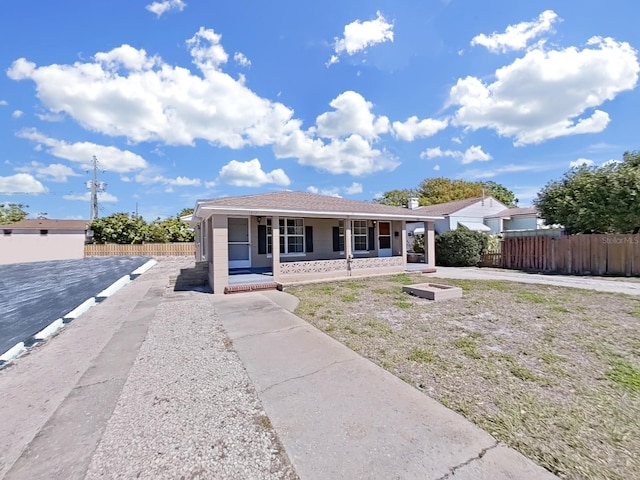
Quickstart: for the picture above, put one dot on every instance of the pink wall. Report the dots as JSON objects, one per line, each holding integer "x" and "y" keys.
{"x": 33, "y": 247}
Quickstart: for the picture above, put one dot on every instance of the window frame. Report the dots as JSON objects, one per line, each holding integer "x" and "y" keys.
{"x": 299, "y": 235}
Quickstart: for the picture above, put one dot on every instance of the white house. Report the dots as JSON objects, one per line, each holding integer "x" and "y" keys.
{"x": 510, "y": 219}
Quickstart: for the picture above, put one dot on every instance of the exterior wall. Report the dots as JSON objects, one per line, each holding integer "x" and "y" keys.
{"x": 481, "y": 209}
{"x": 521, "y": 222}
{"x": 31, "y": 246}
{"x": 322, "y": 243}
{"x": 458, "y": 218}
{"x": 495, "y": 224}
{"x": 442, "y": 225}
{"x": 219, "y": 269}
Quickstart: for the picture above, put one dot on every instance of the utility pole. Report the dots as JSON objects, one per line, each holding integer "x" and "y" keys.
{"x": 95, "y": 186}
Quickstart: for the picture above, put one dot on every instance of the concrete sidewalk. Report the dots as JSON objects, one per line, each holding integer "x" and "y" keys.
{"x": 339, "y": 415}
{"x": 612, "y": 285}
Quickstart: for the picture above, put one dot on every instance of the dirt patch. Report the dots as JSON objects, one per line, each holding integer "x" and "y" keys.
{"x": 552, "y": 372}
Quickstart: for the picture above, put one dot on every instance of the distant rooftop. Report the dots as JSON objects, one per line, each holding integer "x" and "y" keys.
{"x": 46, "y": 224}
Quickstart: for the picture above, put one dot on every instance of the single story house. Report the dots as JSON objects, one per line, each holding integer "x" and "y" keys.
{"x": 469, "y": 212}
{"x": 317, "y": 237}
{"x": 41, "y": 240}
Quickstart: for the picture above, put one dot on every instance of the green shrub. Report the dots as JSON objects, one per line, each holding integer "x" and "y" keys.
{"x": 418, "y": 244}
{"x": 460, "y": 247}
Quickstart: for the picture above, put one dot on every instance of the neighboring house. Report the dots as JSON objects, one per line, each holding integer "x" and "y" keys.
{"x": 469, "y": 213}
{"x": 318, "y": 237}
{"x": 515, "y": 219}
{"x": 41, "y": 240}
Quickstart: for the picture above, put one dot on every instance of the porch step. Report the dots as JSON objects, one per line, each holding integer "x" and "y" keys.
{"x": 190, "y": 277}
{"x": 252, "y": 287}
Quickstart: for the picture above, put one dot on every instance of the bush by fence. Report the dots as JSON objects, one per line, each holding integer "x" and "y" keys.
{"x": 182, "y": 249}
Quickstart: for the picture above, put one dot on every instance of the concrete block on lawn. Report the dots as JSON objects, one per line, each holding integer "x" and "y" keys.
{"x": 433, "y": 291}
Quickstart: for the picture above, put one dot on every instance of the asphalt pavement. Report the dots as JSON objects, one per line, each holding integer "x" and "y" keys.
{"x": 32, "y": 295}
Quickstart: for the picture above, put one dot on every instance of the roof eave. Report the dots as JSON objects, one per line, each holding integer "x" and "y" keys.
{"x": 226, "y": 210}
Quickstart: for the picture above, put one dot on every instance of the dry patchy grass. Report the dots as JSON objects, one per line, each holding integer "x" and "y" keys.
{"x": 553, "y": 372}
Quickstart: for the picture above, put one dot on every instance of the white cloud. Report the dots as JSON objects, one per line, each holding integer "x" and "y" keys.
{"x": 352, "y": 115}
{"x": 436, "y": 167}
{"x": 548, "y": 94}
{"x": 353, "y": 155}
{"x": 241, "y": 59}
{"x": 3, "y": 103}
{"x": 582, "y": 161}
{"x": 110, "y": 158}
{"x": 471, "y": 154}
{"x": 475, "y": 174}
{"x": 17, "y": 113}
{"x": 475, "y": 153}
{"x": 179, "y": 181}
{"x": 354, "y": 188}
{"x": 412, "y": 128}
{"x": 330, "y": 192}
{"x": 21, "y": 183}
{"x": 612, "y": 161}
{"x": 125, "y": 92}
{"x": 250, "y": 174}
{"x": 360, "y": 35}
{"x": 86, "y": 197}
{"x": 50, "y": 117}
{"x": 56, "y": 172}
{"x": 162, "y": 7}
{"x": 517, "y": 37}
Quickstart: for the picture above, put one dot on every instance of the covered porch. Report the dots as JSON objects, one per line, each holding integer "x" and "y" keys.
{"x": 267, "y": 247}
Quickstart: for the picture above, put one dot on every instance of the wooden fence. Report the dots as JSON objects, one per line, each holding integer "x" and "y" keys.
{"x": 184, "y": 249}
{"x": 577, "y": 254}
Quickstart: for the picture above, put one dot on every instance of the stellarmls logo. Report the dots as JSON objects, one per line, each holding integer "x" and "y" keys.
{"x": 629, "y": 240}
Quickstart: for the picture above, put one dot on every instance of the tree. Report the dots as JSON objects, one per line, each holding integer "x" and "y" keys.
{"x": 397, "y": 198}
{"x": 125, "y": 228}
{"x": 432, "y": 191}
{"x": 594, "y": 199}
{"x": 12, "y": 212}
{"x": 122, "y": 228}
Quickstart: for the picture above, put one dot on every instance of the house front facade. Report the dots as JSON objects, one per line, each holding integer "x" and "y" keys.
{"x": 303, "y": 237}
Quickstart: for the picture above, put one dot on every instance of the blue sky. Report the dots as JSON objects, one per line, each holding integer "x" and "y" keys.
{"x": 181, "y": 100}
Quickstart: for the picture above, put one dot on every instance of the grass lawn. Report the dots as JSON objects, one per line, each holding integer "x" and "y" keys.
{"x": 552, "y": 372}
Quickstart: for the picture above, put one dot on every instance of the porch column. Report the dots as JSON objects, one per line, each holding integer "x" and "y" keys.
{"x": 219, "y": 274}
{"x": 430, "y": 244}
{"x": 275, "y": 247}
{"x": 403, "y": 250}
{"x": 348, "y": 248}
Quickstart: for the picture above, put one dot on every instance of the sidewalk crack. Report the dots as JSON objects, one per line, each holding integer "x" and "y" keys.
{"x": 307, "y": 374}
{"x": 483, "y": 452}
{"x": 249, "y": 335}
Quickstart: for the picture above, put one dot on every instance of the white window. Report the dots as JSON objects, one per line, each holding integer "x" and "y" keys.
{"x": 358, "y": 235}
{"x": 291, "y": 236}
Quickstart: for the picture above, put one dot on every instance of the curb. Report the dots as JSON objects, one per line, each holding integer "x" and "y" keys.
{"x": 22, "y": 347}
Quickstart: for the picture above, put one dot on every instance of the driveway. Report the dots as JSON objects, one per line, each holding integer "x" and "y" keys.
{"x": 32, "y": 295}
{"x": 613, "y": 285}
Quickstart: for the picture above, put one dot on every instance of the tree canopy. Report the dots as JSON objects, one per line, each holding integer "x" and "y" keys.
{"x": 12, "y": 212}
{"x": 125, "y": 228}
{"x": 591, "y": 199}
{"x": 432, "y": 191}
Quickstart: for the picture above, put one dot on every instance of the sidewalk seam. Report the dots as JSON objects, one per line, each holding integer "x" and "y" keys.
{"x": 483, "y": 452}
{"x": 249, "y": 335}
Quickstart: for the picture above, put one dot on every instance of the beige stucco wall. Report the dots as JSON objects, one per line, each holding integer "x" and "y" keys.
{"x": 34, "y": 247}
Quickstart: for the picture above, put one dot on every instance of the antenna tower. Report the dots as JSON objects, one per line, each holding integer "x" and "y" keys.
{"x": 95, "y": 186}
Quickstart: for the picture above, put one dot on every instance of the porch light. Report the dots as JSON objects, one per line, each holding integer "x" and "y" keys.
{"x": 374, "y": 222}
{"x": 259, "y": 220}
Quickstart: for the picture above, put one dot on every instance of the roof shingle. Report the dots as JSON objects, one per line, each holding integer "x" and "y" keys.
{"x": 46, "y": 224}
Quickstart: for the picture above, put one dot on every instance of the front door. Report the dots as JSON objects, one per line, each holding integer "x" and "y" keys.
{"x": 384, "y": 239}
{"x": 239, "y": 244}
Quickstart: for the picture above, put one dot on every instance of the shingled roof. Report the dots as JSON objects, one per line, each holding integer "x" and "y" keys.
{"x": 509, "y": 212}
{"x": 46, "y": 224}
{"x": 449, "y": 207}
{"x": 303, "y": 203}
